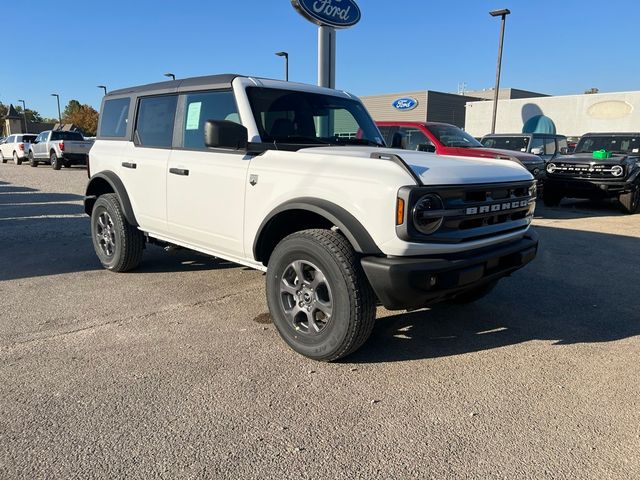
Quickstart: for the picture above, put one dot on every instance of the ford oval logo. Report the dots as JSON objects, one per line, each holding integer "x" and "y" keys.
{"x": 405, "y": 103}
{"x": 331, "y": 13}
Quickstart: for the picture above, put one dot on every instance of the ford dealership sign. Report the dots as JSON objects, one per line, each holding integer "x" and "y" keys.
{"x": 331, "y": 13}
{"x": 405, "y": 103}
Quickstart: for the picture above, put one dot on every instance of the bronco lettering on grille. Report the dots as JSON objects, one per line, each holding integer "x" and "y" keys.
{"x": 497, "y": 207}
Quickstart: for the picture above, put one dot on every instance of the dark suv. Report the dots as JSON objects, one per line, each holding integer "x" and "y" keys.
{"x": 546, "y": 145}
{"x": 604, "y": 165}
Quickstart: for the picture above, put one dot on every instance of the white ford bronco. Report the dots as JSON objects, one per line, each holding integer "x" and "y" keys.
{"x": 295, "y": 180}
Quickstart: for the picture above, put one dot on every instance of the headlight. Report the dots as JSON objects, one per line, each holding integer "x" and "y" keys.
{"x": 551, "y": 168}
{"x": 426, "y": 218}
{"x": 617, "y": 171}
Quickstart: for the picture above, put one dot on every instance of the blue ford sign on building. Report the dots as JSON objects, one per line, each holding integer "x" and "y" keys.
{"x": 330, "y": 13}
{"x": 405, "y": 103}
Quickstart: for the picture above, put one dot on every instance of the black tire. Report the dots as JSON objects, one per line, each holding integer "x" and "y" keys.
{"x": 4, "y": 160}
{"x": 17, "y": 160}
{"x": 54, "y": 161}
{"x": 551, "y": 198}
{"x": 474, "y": 294}
{"x": 352, "y": 300}
{"x": 127, "y": 241}
{"x": 32, "y": 160}
{"x": 630, "y": 202}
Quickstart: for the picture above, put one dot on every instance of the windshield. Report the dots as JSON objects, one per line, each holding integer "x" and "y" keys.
{"x": 452, "y": 136}
{"x": 618, "y": 144}
{"x": 285, "y": 116}
{"x": 519, "y": 144}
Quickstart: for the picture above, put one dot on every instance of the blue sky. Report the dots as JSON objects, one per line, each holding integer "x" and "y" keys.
{"x": 557, "y": 47}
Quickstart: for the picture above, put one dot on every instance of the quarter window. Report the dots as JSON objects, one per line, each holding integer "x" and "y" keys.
{"x": 200, "y": 107}
{"x": 154, "y": 127}
{"x": 113, "y": 120}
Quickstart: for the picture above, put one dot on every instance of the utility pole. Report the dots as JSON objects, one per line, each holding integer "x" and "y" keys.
{"x": 503, "y": 15}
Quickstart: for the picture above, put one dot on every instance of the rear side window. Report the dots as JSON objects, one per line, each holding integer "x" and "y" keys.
{"x": 200, "y": 107}
{"x": 113, "y": 120}
{"x": 154, "y": 127}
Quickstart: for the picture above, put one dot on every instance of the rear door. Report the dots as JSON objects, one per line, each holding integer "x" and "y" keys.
{"x": 6, "y": 148}
{"x": 206, "y": 187}
{"x": 143, "y": 163}
{"x": 40, "y": 148}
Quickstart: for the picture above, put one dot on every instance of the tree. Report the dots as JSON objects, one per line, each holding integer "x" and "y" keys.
{"x": 32, "y": 115}
{"x": 84, "y": 116}
{"x": 591, "y": 91}
{"x": 72, "y": 107}
{"x": 3, "y": 110}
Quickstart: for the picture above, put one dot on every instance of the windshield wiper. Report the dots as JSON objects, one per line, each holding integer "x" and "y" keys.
{"x": 359, "y": 141}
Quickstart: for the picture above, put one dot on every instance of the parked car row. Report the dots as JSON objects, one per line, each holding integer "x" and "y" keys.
{"x": 54, "y": 147}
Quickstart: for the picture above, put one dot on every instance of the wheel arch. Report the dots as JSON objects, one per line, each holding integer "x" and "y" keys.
{"x": 303, "y": 213}
{"x": 108, "y": 182}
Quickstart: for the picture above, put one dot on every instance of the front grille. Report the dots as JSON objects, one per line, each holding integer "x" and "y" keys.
{"x": 583, "y": 170}
{"x": 473, "y": 212}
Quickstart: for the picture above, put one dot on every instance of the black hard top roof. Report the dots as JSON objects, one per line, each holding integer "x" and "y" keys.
{"x": 611, "y": 134}
{"x": 208, "y": 81}
{"x": 524, "y": 134}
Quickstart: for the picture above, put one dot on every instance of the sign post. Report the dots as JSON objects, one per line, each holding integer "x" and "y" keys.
{"x": 328, "y": 15}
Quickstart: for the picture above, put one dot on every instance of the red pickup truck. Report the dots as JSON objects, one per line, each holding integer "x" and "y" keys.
{"x": 446, "y": 139}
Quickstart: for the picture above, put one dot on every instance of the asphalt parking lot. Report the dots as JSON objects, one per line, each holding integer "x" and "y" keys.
{"x": 171, "y": 372}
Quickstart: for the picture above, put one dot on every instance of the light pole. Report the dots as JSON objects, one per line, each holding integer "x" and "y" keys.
{"x": 58, "y": 99}
{"x": 502, "y": 14}
{"x": 24, "y": 112}
{"x": 173, "y": 77}
{"x": 286, "y": 64}
{"x": 103, "y": 87}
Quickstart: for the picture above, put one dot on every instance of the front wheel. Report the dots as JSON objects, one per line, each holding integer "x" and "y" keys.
{"x": 55, "y": 161}
{"x": 318, "y": 295}
{"x": 630, "y": 201}
{"x": 32, "y": 160}
{"x": 117, "y": 243}
{"x": 17, "y": 160}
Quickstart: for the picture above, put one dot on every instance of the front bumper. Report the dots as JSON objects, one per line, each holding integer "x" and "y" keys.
{"x": 414, "y": 282}
{"x": 587, "y": 188}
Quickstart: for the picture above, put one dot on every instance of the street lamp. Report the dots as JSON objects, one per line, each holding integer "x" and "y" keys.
{"x": 24, "y": 112}
{"x": 58, "y": 99}
{"x": 103, "y": 87}
{"x": 286, "y": 64}
{"x": 502, "y": 14}
{"x": 173, "y": 77}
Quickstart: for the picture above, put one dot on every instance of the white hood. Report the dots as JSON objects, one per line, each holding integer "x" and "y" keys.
{"x": 437, "y": 169}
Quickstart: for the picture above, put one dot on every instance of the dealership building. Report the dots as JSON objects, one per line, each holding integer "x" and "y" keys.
{"x": 572, "y": 115}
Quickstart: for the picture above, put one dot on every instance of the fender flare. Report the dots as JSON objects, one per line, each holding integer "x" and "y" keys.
{"x": 118, "y": 188}
{"x": 349, "y": 225}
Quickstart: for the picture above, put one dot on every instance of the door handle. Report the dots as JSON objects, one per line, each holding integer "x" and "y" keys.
{"x": 129, "y": 165}
{"x": 179, "y": 171}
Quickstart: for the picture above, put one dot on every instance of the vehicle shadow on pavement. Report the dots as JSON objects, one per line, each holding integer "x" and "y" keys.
{"x": 576, "y": 208}
{"x": 565, "y": 296}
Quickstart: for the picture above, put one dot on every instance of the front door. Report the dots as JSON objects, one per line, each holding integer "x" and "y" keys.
{"x": 206, "y": 187}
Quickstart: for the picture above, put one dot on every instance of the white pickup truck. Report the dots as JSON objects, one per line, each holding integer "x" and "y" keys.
{"x": 295, "y": 180}
{"x": 58, "y": 148}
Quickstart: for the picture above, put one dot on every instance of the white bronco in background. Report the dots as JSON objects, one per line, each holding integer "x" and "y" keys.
{"x": 295, "y": 180}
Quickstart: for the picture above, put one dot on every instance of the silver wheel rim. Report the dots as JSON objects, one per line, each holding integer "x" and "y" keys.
{"x": 305, "y": 297}
{"x": 15, "y": 158}
{"x": 106, "y": 234}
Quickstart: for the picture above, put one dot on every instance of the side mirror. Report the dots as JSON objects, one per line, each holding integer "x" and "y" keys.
{"x": 225, "y": 134}
{"x": 537, "y": 151}
{"x": 564, "y": 150}
{"x": 426, "y": 147}
{"x": 396, "y": 140}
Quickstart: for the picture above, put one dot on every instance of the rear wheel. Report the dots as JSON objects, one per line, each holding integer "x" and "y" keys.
{"x": 32, "y": 160}
{"x": 117, "y": 243}
{"x": 55, "y": 161}
{"x": 4, "y": 160}
{"x": 630, "y": 201}
{"x": 17, "y": 160}
{"x": 551, "y": 198}
{"x": 319, "y": 297}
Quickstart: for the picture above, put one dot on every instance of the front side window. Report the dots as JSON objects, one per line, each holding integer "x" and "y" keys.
{"x": 113, "y": 119}
{"x": 452, "y": 136}
{"x": 154, "y": 126}
{"x": 537, "y": 143}
{"x": 285, "y": 116}
{"x": 200, "y": 107}
{"x": 412, "y": 138}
